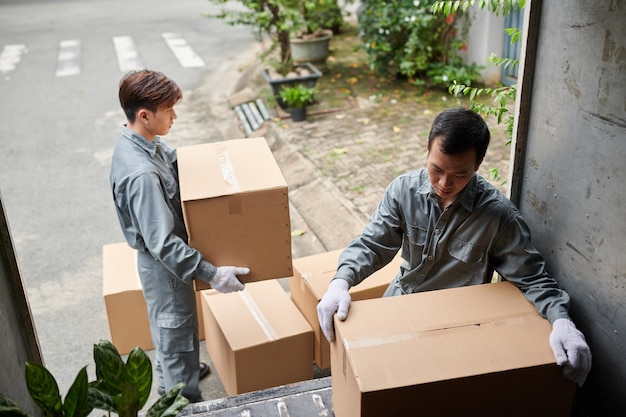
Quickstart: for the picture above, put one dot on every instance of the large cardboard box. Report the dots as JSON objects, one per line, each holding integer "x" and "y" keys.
{"x": 236, "y": 207}
{"x": 126, "y": 310}
{"x": 311, "y": 276}
{"x": 257, "y": 338}
{"x": 473, "y": 351}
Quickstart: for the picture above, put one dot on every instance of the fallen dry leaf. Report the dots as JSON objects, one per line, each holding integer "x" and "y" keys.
{"x": 340, "y": 151}
{"x": 396, "y": 129}
{"x": 352, "y": 80}
{"x": 297, "y": 232}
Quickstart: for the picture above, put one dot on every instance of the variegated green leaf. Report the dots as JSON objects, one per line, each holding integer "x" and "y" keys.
{"x": 9, "y": 409}
{"x": 169, "y": 404}
{"x": 43, "y": 389}
{"x": 128, "y": 401}
{"x": 76, "y": 401}
{"x": 109, "y": 366}
{"x": 139, "y": 371}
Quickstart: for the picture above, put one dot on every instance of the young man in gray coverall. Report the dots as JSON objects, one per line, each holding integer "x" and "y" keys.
{"x": 454, "y": 229}
{"x": 144, "y": 181}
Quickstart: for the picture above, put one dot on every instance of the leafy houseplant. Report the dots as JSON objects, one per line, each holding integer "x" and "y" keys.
{"x": 124, "y": 388}
{"x": 296, "y": 99}
{"x": 120, "y": 387}
{"x": 44, "y": 390}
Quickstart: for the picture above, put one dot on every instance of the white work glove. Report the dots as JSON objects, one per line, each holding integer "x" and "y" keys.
{"x": 225, "y": 279}
{"x": 570, "y": 350}
{"x": 336, "y": 300}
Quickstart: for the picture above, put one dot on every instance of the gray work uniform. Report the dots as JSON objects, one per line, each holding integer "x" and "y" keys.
{"x": 481, "y": 231}
{"x": 144, "y": 182}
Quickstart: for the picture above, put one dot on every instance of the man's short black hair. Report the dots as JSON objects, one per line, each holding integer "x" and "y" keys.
{"x": 459, "y": 130}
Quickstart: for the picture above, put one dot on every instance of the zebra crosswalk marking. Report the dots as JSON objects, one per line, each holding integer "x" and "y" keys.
{"x": 68, "y": 62}
{"x": 182, "y": 51}
{"x": 10, "y": 57}
{"x": 128, "y": 58}
{"x": 127, "y": 54}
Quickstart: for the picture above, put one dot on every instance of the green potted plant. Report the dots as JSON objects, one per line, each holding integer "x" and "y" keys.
{"x": 124, "y": 388}
{"x": 120, "y": 387}
{"x": 275, "y": 20}
{"x": 296, "y": 99}
{"x": 44, "y": 390}
{"x": 313, "y": 29}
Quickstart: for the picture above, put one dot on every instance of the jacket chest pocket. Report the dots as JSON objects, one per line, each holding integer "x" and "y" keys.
{"x": 465, "y": 251}
{"x": 417, "y": 235}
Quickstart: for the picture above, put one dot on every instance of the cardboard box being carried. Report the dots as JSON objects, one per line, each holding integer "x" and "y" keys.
{"x": 257, "y": 338}
{"x": 236, "y": 207}
{"x": 472, "y": 351}
{"x": 125, "y": 305}
{"x": 311, "y": 276}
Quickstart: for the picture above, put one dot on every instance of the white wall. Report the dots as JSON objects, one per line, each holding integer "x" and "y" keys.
{"x": 485, "y": 36}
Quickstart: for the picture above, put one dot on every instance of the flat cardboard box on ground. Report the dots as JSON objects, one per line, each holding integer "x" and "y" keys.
{"x": 473, "y": 351}
{"x": 125, "y": 305}
{"x": 311, "y": 276}
{"x": 236, "y": 207}
{"x": 257, "y": 338}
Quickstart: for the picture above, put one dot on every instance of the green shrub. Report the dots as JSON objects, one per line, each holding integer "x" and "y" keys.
{"x": 404, "y": 38}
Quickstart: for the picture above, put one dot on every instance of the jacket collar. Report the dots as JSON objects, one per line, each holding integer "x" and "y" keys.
{"x": 143, "y": 143}
{"x": 465, "y": 198}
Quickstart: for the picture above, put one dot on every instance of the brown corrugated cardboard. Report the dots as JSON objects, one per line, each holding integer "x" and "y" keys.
{"x": 472, "y": 351}
{"x": 257, "y": 338}
{"x": 236, "y": 207}
{"x": 126, "y": 310}
{"x": 311, "y": 276}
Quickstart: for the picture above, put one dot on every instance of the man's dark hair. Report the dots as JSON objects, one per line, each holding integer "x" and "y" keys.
{"x": 460, "y": 130}
{"x": 147, "y": 89}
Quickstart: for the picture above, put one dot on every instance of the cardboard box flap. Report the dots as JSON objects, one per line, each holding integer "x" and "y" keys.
{"x": 319, "y": 282}
{"x": 222, "y": 168}
{"x": 320, "y": 263}
{"x": 264, "y": 303}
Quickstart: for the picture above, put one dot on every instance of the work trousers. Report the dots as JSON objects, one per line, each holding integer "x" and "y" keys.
{"x": 173, "y": 324}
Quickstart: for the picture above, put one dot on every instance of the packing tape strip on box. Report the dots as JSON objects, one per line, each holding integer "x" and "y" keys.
{"x": 258, "y": 316}
{"x": 228, "y": 172}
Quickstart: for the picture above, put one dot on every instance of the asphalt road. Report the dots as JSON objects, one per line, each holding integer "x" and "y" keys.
{"x": 59, "y": 74}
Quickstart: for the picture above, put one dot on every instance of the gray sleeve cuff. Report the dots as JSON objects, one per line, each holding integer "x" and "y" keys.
{"x": 205, "y": 271}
